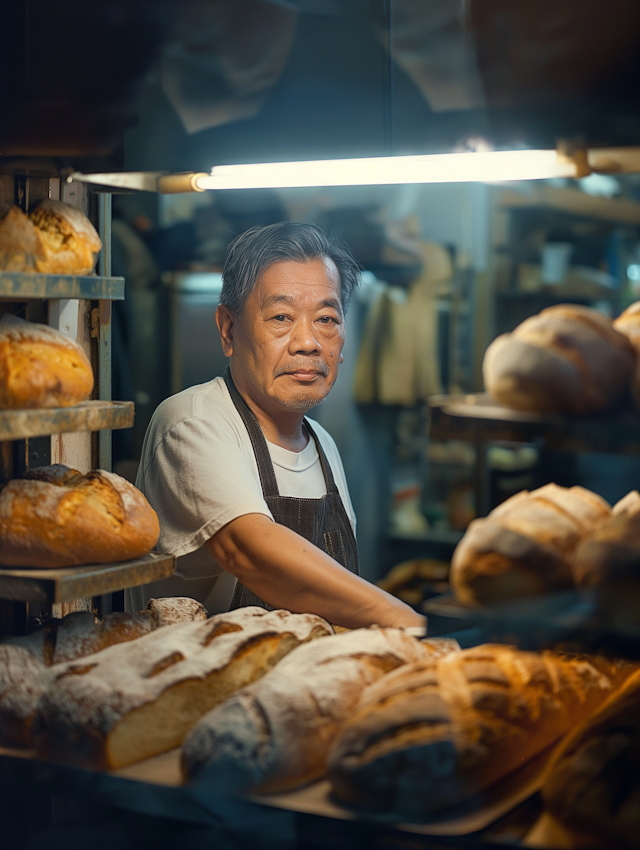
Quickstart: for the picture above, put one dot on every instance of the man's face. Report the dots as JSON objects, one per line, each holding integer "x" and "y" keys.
{"x": 287, "y": 344}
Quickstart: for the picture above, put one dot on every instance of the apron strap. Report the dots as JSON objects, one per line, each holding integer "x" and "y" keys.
{"x": 324, "y": 462}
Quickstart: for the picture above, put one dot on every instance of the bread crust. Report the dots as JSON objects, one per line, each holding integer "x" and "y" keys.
{"x": 70, "y": 519}
{"x": 432, "y": 734}
{"x": 275, "y": 734}
{"x": 566, "y": 359}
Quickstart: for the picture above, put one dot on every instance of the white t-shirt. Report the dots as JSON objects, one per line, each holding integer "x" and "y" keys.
{"x": 199, "y": 472}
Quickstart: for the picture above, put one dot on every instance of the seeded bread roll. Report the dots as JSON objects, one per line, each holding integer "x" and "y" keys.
{"x": 56, "y": 517}
{"x": 136, "y": 700}
{"x": 567, "y": 359}
{"x": 629, "y": 324}
{"x": 40, "y": 367}
{"x": 432, "y": 734}
{"x": 593, "y": 784}
{"x": 28, "y": 664}
{"x": 274, "y": 735}
{"x": 525, "y": 547}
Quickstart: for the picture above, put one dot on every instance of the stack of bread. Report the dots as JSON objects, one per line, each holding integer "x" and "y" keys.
{"x": 55, "y": 238}
{"x": 57, "y": 517}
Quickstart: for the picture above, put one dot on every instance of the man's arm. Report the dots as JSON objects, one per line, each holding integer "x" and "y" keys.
{"x": 287, "y": 571}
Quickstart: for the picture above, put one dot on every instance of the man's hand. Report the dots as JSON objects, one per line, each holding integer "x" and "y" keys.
{"x": 287, "y": 571}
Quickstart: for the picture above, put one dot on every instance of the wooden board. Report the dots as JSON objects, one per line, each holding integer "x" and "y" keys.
{"x": 86, "y": 416}
{"x": 45, "y": 586}
{"x": 24, "y": 286}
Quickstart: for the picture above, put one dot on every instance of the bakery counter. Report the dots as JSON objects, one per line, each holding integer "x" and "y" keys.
{"x": 86, "y": 416}
{"x": 26, "y": 286}
{"x": 47, "y": 586}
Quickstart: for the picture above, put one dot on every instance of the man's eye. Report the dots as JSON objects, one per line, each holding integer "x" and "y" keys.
{"x": 327, "y": 319}
{"x": 280, "y": 317}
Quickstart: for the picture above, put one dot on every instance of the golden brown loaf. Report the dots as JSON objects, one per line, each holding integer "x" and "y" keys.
{"x": 593, "y": 784}
{"x": 28, "y": 663}
{"x": 275, "y": 734}
{"x": 524, "y": 547}
{"x": 136, "y": 700}
{"x": 567, "y": 359}
{"x": 629, "y": 325}
{"x": 55, "y": 238}
{"x": 40, "y": 367}
{"x": 432, "y": 734}
{"x": 56, "y": 517}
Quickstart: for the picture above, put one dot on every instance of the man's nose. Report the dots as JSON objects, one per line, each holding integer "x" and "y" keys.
{"x": 303, "y": 340}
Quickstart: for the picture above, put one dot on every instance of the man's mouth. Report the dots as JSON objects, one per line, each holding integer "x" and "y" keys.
{"x": 304, "y": 374}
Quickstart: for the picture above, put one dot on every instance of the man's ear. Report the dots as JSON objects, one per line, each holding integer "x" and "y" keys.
{"x": 224, "y": 321}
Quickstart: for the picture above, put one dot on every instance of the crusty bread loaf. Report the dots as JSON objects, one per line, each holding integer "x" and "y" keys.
{"x": 28, "y": 664}
{"x": 593, "y": 783}
{"x": 524, "y": 547}
{"x": 567, "y": 359}
{"x": 136, "y": 700}
{"x": 56, "y": 517}
{"x": 629, "y": 324}
{"x": 40, "y": 367}
{"x": 275, "y": 734}
{"x": 432, "y": 734}
{"x": 55, "y": 238}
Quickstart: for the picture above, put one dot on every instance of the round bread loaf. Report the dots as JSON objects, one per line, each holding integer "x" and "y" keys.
{"x": 567, "y": 359}
{"x": 57, "y": 517}
{"x": 629, "y": 325}
{"x": 525, "y": 547}
{"x": 40, "y": 367}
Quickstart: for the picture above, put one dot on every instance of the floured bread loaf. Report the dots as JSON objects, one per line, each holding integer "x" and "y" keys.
{"x": 629, "y": 324}
{"x": 567, "y": 359}
{"x": 608, "y": 561}
{"x": 432, "y": 734}
{"x": 55, "y": 238}
{"x": 593, "y": 784}
{"x": 275, "y": 734}
{"x": 524, "y": 547}
{"x": 56, "y": 517}
{"x": 40, "y": 367}
{"x": 136, "y": 700}
{"x": 28, "y": 664}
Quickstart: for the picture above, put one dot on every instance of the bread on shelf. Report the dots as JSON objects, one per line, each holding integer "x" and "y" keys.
{"x": 28, "y": 664}
{"x": 275, "y": 734}
{"x": 57, "y": 517}
{"x": 628, "y": 323}
{"x": 593, "y": 784}
{"x": 136, "y": 700}
{"x": 40, "y": 367}
{"x": 566, "y": 359}
{"x": 525, "y": 546}
{"x": 433, "y": 734}
{"x": 55, "y": 238}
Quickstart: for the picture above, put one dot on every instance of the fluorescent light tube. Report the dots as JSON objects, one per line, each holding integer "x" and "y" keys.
{"x": 489, "y": 167}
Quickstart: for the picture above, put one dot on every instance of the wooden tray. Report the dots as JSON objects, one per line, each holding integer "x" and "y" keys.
{"x": 46, "y": 586}
{"x": 86, "y": 416}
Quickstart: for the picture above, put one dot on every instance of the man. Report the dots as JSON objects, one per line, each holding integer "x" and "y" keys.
{"x": 250, "y": 494}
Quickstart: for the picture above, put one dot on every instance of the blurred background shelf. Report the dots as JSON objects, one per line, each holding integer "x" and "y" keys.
{"x": 48, "y": 586}
{"x": 435, "y": 535}
{"x": 21, "y": 286}
{"x": 86, "y": 416}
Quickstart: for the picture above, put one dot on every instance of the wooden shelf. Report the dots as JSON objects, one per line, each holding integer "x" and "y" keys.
{"x": 86, "y": 416}
{"x": 25, "y": 286}
{"x": 46, "y": 586}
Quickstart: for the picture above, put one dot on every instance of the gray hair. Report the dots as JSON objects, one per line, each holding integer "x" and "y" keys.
{"x": 253, "y": 252}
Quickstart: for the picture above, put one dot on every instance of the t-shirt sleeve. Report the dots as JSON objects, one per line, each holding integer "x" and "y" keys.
{"x": 198, "y": 480}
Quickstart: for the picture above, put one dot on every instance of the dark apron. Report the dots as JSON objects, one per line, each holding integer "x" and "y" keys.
{"x": 324, "y": 522}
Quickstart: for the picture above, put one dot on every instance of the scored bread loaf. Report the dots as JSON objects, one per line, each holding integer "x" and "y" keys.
{"x": 566, "y": 359}
{"x": 57, "y": 517}
{"x": 275, "y": 734}
{"x": 593, "y": 784}
{"x": 55, "y": 238}
{"x": 432, "y": 734}
{"x": 525, "y": 546}
{"x": 608, "y": 561}
{"x": 40, "y": 367}
{"x": 628, "y": 323}
{"x": 136, "y": 700}
{"x": 28, "y": 664}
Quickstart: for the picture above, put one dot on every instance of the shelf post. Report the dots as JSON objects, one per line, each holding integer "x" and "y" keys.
{"x": 104, "y": 326}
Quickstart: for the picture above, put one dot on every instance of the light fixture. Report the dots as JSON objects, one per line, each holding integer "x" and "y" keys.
{"x": 482, "y": 166}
